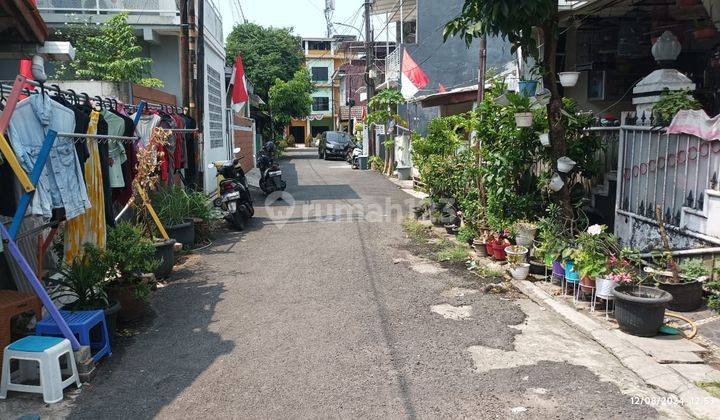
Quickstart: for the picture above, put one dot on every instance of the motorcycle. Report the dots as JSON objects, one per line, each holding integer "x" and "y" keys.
{"x": 355, "y": 157}
{"x": 270, "y": 172}
{"x": 234, "y": 194}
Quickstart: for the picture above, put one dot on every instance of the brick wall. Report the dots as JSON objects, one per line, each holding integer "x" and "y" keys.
{"x": 244, "y": 139}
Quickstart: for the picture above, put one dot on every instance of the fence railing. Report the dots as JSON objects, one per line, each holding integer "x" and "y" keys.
{"x": 670, "y": 170}
{"x": 392, "y": 64}
{"x": 108, "y": 6}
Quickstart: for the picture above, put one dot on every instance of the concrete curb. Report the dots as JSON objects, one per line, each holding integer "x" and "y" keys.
{"x": 695, "y": 400}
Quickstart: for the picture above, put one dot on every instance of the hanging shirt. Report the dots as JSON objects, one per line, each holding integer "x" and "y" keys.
{"x": 61, "y": 183}
{"x": 145, "y": 127}
{"x": 116, "y": 150}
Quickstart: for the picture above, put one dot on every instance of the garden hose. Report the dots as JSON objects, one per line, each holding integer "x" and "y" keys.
{"x": 693, "y": 332}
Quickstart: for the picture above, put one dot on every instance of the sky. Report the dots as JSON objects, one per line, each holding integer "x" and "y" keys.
{"x": 306, "y": 16}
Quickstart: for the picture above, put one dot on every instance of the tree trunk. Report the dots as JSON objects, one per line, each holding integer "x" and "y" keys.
{"x": 557, "y": 130}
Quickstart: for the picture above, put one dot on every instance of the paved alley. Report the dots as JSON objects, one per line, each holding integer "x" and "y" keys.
{"x": 316, "y": 311}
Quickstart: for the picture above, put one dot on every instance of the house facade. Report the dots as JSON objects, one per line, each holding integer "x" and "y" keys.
{"x": 323, "y": 56}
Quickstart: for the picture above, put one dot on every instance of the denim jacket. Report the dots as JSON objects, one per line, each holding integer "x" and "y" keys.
{"x": 61, "y": 182}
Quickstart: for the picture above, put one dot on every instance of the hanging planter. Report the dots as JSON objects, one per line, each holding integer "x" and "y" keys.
{"x": 527, "y": 88}
{"x": 569, "y": 78}
{"x": 545, "y": 139}
{"x": 556, "y": 183}
{"x": 523, "y": 119}
{"x": 565, "y": 164}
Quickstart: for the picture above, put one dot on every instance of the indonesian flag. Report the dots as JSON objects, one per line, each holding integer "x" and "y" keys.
{"x": 239, "y": 92}
{"x": 412, "y": 77}
{"x": 441, "y": 88}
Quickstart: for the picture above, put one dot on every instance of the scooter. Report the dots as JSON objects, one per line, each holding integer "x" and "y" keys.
{"x": 270, "y": 173}
{"x": 356, "y": 153}
{"x": 234, "y": 194}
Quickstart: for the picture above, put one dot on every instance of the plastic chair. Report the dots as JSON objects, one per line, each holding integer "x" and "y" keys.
{"x": 89, "y": 327}
{"x": 47, "y": 352}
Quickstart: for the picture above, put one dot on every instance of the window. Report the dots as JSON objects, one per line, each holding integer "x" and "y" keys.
{"x": 319, "y": 74}
{"x": 321, "y": 103}
{"x": 318, "y": 45}
{"x": 214, "y": 106}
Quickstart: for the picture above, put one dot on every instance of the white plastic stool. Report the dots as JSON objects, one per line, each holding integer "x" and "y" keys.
{"x": 46, "y": 351}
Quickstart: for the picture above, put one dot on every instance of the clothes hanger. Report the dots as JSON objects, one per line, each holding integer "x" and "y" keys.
{"x": 98, "y": 103}
{"x": 74, "y": 97}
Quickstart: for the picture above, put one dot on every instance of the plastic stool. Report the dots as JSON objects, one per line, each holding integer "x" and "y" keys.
{"x": 46, "y": 351}
{"x": 82, "y": 324}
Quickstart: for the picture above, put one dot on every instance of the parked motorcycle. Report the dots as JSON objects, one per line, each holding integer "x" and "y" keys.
{"x": 270, "y": 173}
{"x": 234, "y": 194}
{"x": 355, "y": 157}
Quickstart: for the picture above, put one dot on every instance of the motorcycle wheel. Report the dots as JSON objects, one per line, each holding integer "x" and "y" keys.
{"x": 238, "y": 220}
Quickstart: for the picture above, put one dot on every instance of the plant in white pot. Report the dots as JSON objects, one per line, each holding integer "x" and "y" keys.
{"x": 545, "y": 139}
{"x": 525, "y": 233}
{"x": 565, "y": 164}
{"x": 569, "y": 78}
{"x": 523, "y": 113}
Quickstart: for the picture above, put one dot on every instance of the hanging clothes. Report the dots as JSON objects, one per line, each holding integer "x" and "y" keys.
{"x": 90, "y": 227}
{"x": 191, "y": 174}
{"x": 145, "y": 127}
{"x": 116, "y": 127}
{"x": 61, "y": 182}
{"x": 81, "y": 124}
{"x": 129, "y": 169}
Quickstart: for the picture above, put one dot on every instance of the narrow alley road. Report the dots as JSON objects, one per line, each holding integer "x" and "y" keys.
{"x": 315, "y": 314}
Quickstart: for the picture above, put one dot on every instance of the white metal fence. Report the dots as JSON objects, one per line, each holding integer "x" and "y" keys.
{"x": 392, "y": 64}
{"x": 670, "y": 170}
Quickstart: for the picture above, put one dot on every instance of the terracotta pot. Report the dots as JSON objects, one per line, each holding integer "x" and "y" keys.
{"x": 704, "y": 33}
{"x": 587, "y": 284}
{"x": 480, "y": 247}
{"x": 132, "y": 308}
{"x": 499, "y": 250}
{"x": 489, "y": 247}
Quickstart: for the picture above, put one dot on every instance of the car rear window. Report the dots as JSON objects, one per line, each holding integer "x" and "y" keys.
{"x": 336, "y": 137}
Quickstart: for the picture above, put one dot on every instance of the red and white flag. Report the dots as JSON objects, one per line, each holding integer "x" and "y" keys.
{"x": 412, "y": 77}
{"x": 239, "y": 92}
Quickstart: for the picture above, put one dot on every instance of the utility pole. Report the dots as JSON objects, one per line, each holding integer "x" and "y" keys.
{"x": 369, "y": 64}
{"x": 480, "y": 96}
{"x": 184, "y": 54}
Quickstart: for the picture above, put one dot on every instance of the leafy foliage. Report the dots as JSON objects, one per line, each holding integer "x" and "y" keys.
{"x": 512, "y": 19}
{"x": 383, "y": 107}
{"x": 291, "y": 99}
{"x": 84, "y": 279}
{"x": 268, "y": 54}
{"x": 129, "y": 253}
{"x": 593, "y": 250}
{"x": 671, "y": 103}
{"x": 111, "y": 53}
{"x": 174, "y": 205}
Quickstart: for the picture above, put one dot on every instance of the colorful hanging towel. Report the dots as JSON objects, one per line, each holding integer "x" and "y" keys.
{"x": 89, "y": 227}
{"x": 696, "y": 123}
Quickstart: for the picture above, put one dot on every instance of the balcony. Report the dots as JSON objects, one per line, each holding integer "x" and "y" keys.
{"x": 143, "y": 13}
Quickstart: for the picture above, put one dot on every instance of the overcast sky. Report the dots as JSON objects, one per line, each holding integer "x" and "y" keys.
{"x": 306, "y": 16}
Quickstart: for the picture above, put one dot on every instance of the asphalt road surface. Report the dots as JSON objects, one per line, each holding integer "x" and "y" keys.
{"x": 320, "y": 310}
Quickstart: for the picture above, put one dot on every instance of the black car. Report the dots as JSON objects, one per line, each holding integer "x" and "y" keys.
{"x": 333, "y": 144}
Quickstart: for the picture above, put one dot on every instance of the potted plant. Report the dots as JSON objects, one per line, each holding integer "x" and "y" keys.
{"x": 466, "y": 234}
{"x": 672, "y": 102}
{"x": 83, "y": 285}
{"x": 591, "y": 255}
{"x": 545, "y": 139}
{"x": 687, "y": 293}
{"x": 550, "y": 246}
{"x": 523, "y": 113}
{"x": 565, "y": 164}
{"x": 499, "y": 246}
{"x": 132, "y": 256}
{"x": 516, "y": 254}
{"x": 620, "y": 272}
{"x": 640, "y": 310}
{"x": 173, "y": 209}
{"x": 525, "y": 233}
{"x": 556, "y": 183}
{"x": 519, "y": 271}
{"x": 202, "y": 214}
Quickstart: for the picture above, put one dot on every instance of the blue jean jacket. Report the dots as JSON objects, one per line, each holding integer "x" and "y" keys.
{"x": 61, "y": 182}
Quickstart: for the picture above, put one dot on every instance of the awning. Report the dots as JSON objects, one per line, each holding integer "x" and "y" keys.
{"x": 392, "y": 9}
{"x": 20, "y": 22}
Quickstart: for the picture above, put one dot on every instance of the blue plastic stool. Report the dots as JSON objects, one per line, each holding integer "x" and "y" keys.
{"x": 81, "y": 323}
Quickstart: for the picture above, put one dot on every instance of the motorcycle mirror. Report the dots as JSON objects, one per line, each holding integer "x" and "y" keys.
{"x": 210, "y": 166}
{"x": 236, "y": 150}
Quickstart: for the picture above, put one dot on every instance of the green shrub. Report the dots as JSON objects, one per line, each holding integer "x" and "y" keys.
{"x": 129, "y": 253}
{"x": 466, "y": 234}
{"x": 84, "y": 279}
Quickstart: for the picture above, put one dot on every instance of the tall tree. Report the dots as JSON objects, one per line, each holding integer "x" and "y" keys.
{"x": 291, "y": 99}
{"x": 516, "y": 20}
{"x": 109, "y": 53}
{"x": 268, "y": 54}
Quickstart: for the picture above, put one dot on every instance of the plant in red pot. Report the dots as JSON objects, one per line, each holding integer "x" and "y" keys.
{"x": 499, "y": 246}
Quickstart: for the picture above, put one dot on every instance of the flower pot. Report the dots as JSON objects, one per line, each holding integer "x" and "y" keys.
{"x": 480, "y": 247}
{"x": 687, "y": 297}
{"x": 165, "y": 254}
{"x": 489, "y": 250}
{"x": 523, "y": 119}
{"x": 704, "y": 33}
{"x": 571, "y": 276}
{"x": 537, "y": 268}
{"x": 558, "y": 272}
{"x": 516, "y": 254}
{"x": 587, "y": 284}
{"x": 131, "y": 308}
{"x": 519, "y": 272}
{"x": 640, "y": 310}
{"x": 604, "y": 287}
{"x": 565, "y": 164}
{"x": 499, "y": 250}
{"x": 523, "y": 241}
{"x": 183, "y": 233}
{"x": 556, "y": 183}
{"x": 545, "y": 139}
{"x": 111, "y": 316}
{"x": 569, "y": 78}
{"x": 527, "y": 88}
